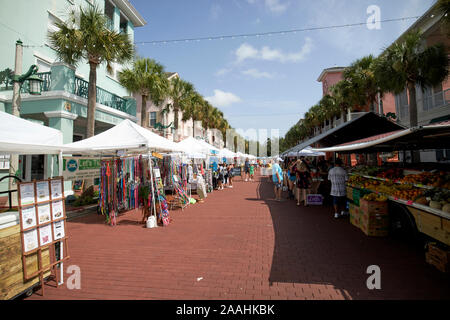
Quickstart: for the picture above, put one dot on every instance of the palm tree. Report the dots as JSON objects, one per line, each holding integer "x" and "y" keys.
{"x": 180, "y": 92}
{"x": 365, "y": 84}
{"x": 193, "y": 109}
{"x": 330, "y": 107}
{"x": 147, "y": 78}
{"x": 85, "y": 36}
{"x": 342, "y": 93}
{"x": 405, "y": 64}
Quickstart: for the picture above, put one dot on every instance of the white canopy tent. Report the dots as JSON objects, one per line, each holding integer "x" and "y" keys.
{"x": 192, "y": 145}
{"x": 21, "y": 136}
{"x": 127, "y": 135}
{"x": 226, "y": 153}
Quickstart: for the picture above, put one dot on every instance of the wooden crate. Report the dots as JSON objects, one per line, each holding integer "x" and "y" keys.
{"x": 440, "y": 252}
{"x": 432, "y": 225}
{"x": 374, "y": 231}
{"x": 373, "y": 206}
{"x": 375, "y": 220}
{"x": 349, "y": 193}
{"x": 437, "y": 263}
{"x": 11, "y": 267}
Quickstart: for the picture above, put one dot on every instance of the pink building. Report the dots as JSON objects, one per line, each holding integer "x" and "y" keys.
{"x": 330, "y": 77}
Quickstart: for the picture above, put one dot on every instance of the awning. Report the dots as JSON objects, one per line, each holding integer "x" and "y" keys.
{"x": 418, "y": 138}
{"x": 21, "y": 136}
{"x": 128, "y": 136}
{"x": 367, "y": 124}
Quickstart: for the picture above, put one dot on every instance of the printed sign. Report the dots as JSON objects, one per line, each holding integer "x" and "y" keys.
{"x": 26, "y": 194}
{"x": 43, "y": 193}
{"x": 30, "y": 240}
{"x": 56, "y": 187}
{"x": 58, "y": 229}
{"x": 57, "y": 210}
{"x": 314, "y": 199}
{"x": 44, "y": 213}
{"x": 157, "y": 173}
{"x": 80, "y": 168}
{"x": 45, "y": 235}
{"x": 236, "y": 171}
{"x": 29, "y": 217}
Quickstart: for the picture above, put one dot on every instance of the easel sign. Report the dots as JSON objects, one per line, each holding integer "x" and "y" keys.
{"x": 42, "y": 225}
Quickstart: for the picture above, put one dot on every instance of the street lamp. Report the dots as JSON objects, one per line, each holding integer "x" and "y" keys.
{"x": 34, "y": 81}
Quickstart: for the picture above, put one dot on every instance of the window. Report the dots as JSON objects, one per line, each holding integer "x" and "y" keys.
{"x": 443, "y": 155}
{"x": 152, "y": 119}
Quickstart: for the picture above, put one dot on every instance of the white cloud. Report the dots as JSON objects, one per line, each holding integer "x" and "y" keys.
{"x": 255, "y": 73}
{"x": 246, "y": 51}
{"x": 222, "y": 98}
{"x": 222, "y": 72}
{"x": 276, "y": 6}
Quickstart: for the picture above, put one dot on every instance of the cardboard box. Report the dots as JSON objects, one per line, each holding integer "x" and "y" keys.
{"x": 438, "y": 264}
{"x": 374, "y": 231}
{"x": 441, "y": 253}
{"x": 373, "y": 206}
{"x": 350, "y": 193}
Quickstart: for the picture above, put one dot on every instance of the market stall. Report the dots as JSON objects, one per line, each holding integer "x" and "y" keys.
{"x": 399, "y": 197}
{"x": 130, "y": 171}
{"x": 29, "y": 245}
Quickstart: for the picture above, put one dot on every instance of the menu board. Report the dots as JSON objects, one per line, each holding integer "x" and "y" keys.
{"x": 26, "y": 194}
{"x": 29, "y": 217}
{"x": 42, "y": 191}
{"x": 56, "y": 188}
{"x": 30, "y": 240}
{"x": 57, "y": 210}
{"x": 45, "y": 235}
{"x": 44, "y": 213}
{"x": 58, "y": 229}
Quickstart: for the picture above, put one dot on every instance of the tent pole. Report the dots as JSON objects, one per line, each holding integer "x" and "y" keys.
{"x": 61, "y": 266}
{"x": 151, "y": 183}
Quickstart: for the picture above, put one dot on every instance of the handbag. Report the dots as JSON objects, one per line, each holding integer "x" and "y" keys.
{"x": 151, "y": 222}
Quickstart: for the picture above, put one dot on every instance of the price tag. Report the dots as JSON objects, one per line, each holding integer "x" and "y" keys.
{"x": 420, "y": 185}
{"x": 409, "y": 202}
{"x": 395, "y": 198}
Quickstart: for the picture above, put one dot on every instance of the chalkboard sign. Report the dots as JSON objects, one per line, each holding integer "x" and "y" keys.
{"x": 314, "y": 199}
{"x": 236, "y": 171}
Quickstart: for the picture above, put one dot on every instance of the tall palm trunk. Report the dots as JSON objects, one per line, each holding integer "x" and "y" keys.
{"x": 413, "y": 122}
{"x": 144, "y": 113}
{"x": 92, "y": 100}
{"x": 193, "y": 127}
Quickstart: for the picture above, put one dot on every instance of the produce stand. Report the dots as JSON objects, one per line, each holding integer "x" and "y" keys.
{"x": 418, "y": 194}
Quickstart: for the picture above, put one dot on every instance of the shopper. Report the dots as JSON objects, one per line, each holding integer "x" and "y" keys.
{"x": 338, "y": 177}
{"x": 252, "y": 171}
{"x": 230, "y": 175}
{"x": 277, "y": 178}
{"x": 291, "y": 179}
{"x": 247, "y": 169}
{"x": 303, "y": 182}
{"x": 225, "y": 174}
{"x": 220, "y": 178}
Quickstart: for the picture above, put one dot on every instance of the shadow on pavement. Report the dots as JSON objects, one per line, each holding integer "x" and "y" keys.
{"x": 311, "y": 247}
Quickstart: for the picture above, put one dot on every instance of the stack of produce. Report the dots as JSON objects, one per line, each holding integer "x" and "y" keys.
{"x": 374, "y": 217}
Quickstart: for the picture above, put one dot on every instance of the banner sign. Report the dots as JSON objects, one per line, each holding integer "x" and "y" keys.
{"x": 80, "y": 168}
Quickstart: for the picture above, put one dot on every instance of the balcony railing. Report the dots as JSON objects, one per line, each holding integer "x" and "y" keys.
{"x": 104, "y": 97}
{"x": 45, "y": 85}
{"x": 436, "y": 100}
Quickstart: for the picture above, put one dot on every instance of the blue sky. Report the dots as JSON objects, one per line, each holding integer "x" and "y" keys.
{"x": 270, "y": 81}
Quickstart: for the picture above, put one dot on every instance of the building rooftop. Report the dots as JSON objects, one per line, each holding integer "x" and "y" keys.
{"x": 329, "y": 70}
{"x": 130, "y": 11}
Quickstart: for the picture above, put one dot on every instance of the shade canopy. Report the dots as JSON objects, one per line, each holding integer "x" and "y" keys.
{"x": 21, "y": 136}
{"x": 192, "y": 145}
{"x": 307, "y": 152}
{"x": 435, "y": 136}
{"x": 364, "y": 125}
{"x": 226, "y": 153}
{"x": 127, "y": 136}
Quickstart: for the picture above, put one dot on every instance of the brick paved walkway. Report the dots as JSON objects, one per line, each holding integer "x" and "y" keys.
{"x": 240, "y": 244}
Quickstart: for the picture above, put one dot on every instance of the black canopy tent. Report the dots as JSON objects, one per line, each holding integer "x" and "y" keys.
{"x": 428, "y": 137}
{"x": 367, "y": 124}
